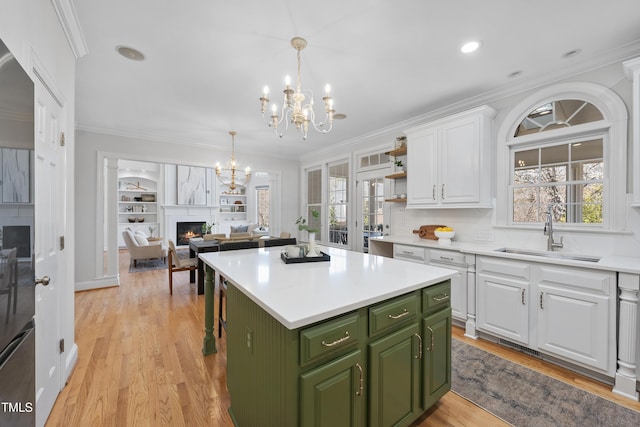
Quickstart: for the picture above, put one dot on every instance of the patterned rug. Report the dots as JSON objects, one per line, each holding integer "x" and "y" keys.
{"x": 147, "y": 265}
{"x": 526, "y": 398}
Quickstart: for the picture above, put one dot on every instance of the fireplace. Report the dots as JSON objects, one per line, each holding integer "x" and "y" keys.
{"x": 187, "y": 230}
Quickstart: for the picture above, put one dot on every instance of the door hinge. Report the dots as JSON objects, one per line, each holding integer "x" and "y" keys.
{"x": 62, "y": 345}
{"x": 61, "y": 243}
{"x": 62, "y": 139}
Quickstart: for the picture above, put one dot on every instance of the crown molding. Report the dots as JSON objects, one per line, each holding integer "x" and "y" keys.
{"x": 68, "y": 18}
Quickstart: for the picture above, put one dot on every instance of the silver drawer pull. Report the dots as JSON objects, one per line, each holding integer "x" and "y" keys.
{"x": 442, "y": 297}
{"x": 446, "y": 258}
{"x": 407, "y": 252}
{"x": 338, "y": 341}
{"x": 398, "y": 316}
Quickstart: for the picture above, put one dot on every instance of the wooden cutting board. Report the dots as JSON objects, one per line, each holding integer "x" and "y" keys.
{"x": 426, "y": 231}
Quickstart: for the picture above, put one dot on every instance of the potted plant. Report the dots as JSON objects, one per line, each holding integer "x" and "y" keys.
{"x": 152, "y": 229}
{"x": 399, "y": 166}
{"x": 206, "y": 227}
{"x": 311, "y": 229}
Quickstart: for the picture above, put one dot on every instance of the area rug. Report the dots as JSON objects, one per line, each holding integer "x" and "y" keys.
{"x": 155, "y": 264}
{"x": 147, "y": 265}
{"x": 526, "y": 398}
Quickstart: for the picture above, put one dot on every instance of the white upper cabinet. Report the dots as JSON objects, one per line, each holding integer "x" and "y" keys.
{"x": 450, "y": 161}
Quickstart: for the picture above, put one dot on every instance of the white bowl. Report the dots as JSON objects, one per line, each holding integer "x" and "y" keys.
{"x": 444, "y": 237}
{"x": 444, "y": 234}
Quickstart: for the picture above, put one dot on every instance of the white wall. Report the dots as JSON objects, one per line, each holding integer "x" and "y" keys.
{"x": 90, "y": 144}
{"x": 31, "y": 28}
{"x": 478, "y": 224}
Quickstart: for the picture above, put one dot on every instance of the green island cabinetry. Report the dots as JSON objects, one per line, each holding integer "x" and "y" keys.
{"x": 380, "y": 365}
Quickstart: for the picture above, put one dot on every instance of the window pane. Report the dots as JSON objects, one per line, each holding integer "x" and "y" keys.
{"x": 554, "y": 194}
{"x": 553, "y": 174}
{"x": 338, "y": 198}
{"x": 557, "y": 114}
{"x": 526, "y": 158}
{"x": 526, "y": 176}
{"x": 314, "y": 186}
{"x": 587, "y": 150}
{"x": 554, "y": 155}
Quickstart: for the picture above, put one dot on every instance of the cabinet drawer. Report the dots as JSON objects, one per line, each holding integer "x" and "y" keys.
{"x": 504, "y": 267}
{"x": 329, "y": 337}
{"x": 436, "y": 297}
{"x": 444, "y": 256}
{"x": 409, "y": 253}
{"x": 391, "y": 313}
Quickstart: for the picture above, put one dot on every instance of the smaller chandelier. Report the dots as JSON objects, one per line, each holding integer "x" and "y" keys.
{"x": 294, "y": 109}
{"x": 227, "y": 175}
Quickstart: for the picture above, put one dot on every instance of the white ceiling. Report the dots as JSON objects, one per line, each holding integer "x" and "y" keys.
{"x": 387, "y": 60}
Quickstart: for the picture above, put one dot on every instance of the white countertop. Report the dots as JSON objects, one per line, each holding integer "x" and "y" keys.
{"x": 619, "y": 263}
{"x": 300, "y": 294}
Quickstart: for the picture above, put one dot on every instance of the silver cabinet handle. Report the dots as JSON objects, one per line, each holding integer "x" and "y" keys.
{"x": 407, "y": 252}
{"x": 432, "y": 338}
{"x": 419, "y": 356}
{"x": 398, "y": 316}
{"x": 446, "y": 258}
{"x": 541, "y": 297}
{"x": 361, "y": 382}
{"x": 442, "y": 192}
{"x": 441, "y": 297}
{"x": 522, "y": 296}
{"x": 338, "y": 341}
{"x": 433, "y": 192}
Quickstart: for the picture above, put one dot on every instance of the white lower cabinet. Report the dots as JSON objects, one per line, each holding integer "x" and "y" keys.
{"x": 503, "y": 298}
{"x": 577, "y": 315}
{"x": 566, "y": 312}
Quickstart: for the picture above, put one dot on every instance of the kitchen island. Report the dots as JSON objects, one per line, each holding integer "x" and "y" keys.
{"x": 357, "y": 340}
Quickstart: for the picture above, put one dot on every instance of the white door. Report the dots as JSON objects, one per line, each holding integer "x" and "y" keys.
{"x": 372, "y": 212}
{"x": 49, "y": 224}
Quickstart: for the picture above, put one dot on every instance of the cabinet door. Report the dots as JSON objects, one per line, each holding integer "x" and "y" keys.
{"x": 503, "y": 307}
{"x": 575, "y": 325}
{"x": 460, "y": 161}
{"x": 333, "y": 394}
{"x": 422, "y": 168}
{"x": 394, "y": 378}
{"x": 436, "y": 355}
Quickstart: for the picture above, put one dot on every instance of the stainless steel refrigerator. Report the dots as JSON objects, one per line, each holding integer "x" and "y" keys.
{"x": 17, "y": 303}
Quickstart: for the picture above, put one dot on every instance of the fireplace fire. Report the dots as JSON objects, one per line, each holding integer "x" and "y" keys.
{"x": 188, "y": 230}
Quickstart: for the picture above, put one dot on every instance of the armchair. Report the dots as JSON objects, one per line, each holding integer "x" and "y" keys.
{"x": 140, "y": 248}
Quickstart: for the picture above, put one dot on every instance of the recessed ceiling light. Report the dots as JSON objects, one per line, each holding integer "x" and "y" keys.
{"x": 572, "y": 53}
{"x": 515, "y": 74}
{"x": 130, "y": 53}
{"x": 469, "y": 47}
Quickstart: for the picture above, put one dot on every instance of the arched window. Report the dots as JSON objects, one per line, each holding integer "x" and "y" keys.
{"x": 564, "y": 149}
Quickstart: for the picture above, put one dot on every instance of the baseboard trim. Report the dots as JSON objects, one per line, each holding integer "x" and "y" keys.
{"x": 103, "y": 282}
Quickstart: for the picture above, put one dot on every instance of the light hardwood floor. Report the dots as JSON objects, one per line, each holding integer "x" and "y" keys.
{"x": 140, "y": 362}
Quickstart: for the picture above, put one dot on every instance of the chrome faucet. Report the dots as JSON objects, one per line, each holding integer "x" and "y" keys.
{"x": 548, "y": 231}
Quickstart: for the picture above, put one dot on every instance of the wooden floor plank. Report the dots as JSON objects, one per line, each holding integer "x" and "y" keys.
{"x": 140, "y": 362}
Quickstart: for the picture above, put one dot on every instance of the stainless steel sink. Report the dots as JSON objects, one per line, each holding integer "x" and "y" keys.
{"x": 548, "y": 254}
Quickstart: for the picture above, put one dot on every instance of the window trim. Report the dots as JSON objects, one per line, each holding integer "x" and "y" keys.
{"x": 614, "y": 127}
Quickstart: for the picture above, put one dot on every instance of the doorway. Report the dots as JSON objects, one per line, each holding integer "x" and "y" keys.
{"x": 372, "y": 212}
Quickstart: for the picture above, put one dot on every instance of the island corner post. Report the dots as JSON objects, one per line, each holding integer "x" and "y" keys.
{"x": 209, "y": 341}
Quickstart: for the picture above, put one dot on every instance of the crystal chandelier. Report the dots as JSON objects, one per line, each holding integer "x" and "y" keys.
{"x": 227, "y": 175}
{"x": 294, "y": 109}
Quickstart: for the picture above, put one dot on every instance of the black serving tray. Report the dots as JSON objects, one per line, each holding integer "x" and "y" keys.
{"x": 298, "y": 260}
